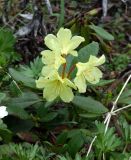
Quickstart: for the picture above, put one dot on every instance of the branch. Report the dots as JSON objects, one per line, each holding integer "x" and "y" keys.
{"x": 112, "y": 112}
{"x": 48, "y": 4}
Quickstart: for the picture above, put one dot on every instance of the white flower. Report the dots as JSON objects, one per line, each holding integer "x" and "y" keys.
{"x": 3, "y": 112}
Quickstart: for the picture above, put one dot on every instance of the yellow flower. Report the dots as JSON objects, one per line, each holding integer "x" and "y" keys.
{"x": 88, "y": 71}
{"x": 63, "y": 43}
{"x": 52, "y": 62}
{"x": 55, "y": 87}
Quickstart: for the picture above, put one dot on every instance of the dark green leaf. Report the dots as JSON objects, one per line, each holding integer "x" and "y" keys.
{"x": 102, "y": 32}
{"x": 89, "y": 115}
{"x": 5, "y": 134}
{"x": 18, "y": 76}
{"x": 61, "y": 139}
{"x": 49, "y": 116}
{"x": 17, "y": 111}
{"x": 85, "y": 52}
{"x": 25, "y": 100}
{"x": 75, "y": 144}
{"x": 2, "y": 96}
{"x": 89, "y": 104}
{"x": 22, "y": 125}
{"x": 103, "y": 82}
{"x": 7, "y": 41}
{"x": 125, "y": 94}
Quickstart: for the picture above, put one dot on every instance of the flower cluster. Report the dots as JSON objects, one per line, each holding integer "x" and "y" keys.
{"x": 56, "y": 83}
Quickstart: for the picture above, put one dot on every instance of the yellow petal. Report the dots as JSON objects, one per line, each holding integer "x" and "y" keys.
{"x": 75, "y": 42}
{"x": 80, "y": 82}
{"x": 93, "y": 76}
{"x": 81, "y": 67}
{"x": 51, "y": 91}
{"x": 41, "y": 82}
{"x": 48, "y": 57}
{"x": 69, "y": 83}
{"x": 66, "y": 94}
{"x": 59, "y": 60}
{"x": 52, "y": 43}
{"x": 74, "y": 53}
{"x": 64, "y": 36}
{"x": 94, "y": 61}
{"x": 48, "y": 70}
{"x": 57, "y": 77}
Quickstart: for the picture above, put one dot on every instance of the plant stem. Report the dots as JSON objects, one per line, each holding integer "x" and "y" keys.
{"x": 99, "y": 156}
{"x": 124, "y": 150}
{"x": 71, "y": 70}
{"x": 63, "y": 72}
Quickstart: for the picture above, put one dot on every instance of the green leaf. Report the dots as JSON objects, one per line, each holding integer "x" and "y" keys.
{"x": 125, "y": 97}
{"x": 89, "y": 104}
{"x": 125, "y": 100}
{"x": 17, "y": 111}
{"x": 22, "y": 124}
{"x": 106, "y": 142}
{"x": 2, "y": 96}
{"x": 62, "y": 158}
{"x": 7, "y": 41}
{"x": 24, "y": 100}
{"x": 17, "y": 105}
{"x": 125, "y": 94}
{"x": 5, "y": 134}
{"x": 33, "y": 70}
{"x": 49, "y": 116}
{"x": 120, "y": 156}
{"x": 18, "y": 76}
{"x": 102, "y": 32}
{"x": 61, "y": 139}
{"x": 103, "y": 82}
{"x": 75, "y": 144}
{"x": 78, "y": 157}
{"x": 126, "y": 129}
{"x": 89, "y": 115}
{"x": 85, "y": 52}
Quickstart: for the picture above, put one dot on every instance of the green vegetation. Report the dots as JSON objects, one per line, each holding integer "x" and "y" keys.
{"x": 68, "y": 97}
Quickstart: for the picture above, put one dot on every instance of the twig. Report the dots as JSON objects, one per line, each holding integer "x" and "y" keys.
{"x": 115, "y": 103}
{"x": 5, "y": 11}
{"x": 63, "y": 71}
{"x": 104, "y": 157}
{"x": 91, "y": 146}
{"x": 14, "y": 17}
{"x": 122, "y": 89}
{"x": 112, "y": 112}
{"x": 125, "y": 2}
{"x": 49, "y": 6}
{"x": 104, "y": 7}
{"x": 120, "y": 109}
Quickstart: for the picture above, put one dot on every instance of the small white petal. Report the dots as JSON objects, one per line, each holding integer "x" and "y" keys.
{"x": 3, "y": 111}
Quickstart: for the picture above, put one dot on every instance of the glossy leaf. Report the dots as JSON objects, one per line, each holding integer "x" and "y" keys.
{"x": 102, "y": 32}
{"x": 89, "y": 104}
{"x": 85, "y": 52}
